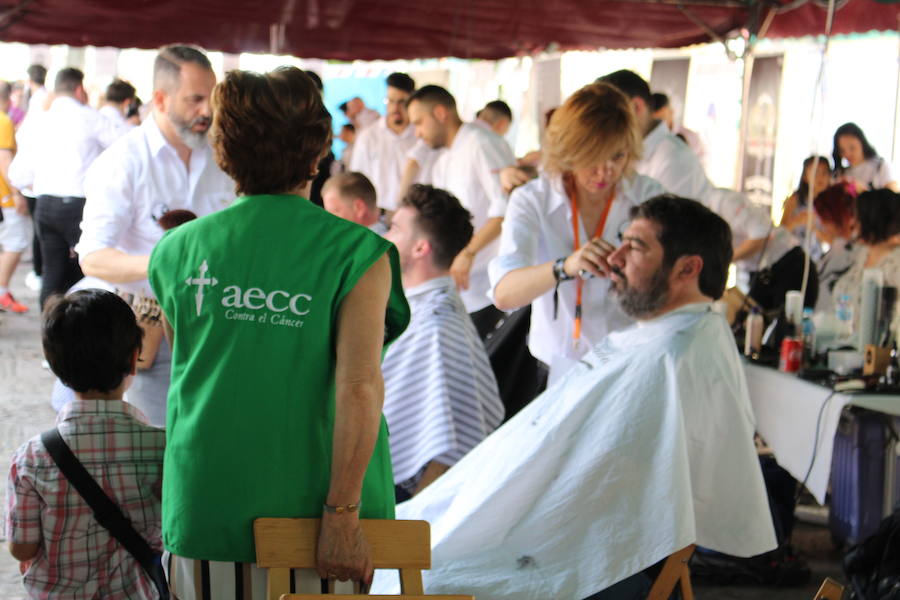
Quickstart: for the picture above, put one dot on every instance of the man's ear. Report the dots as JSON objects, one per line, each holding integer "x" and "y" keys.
{"x": 421, "y": 248}
{"x": 639, "y": 106}
{"x": 440, "y": 113}
{"x": 688, "y": 267}
{"x": 159, "y": 100}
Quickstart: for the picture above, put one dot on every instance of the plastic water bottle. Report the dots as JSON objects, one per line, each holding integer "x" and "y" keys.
{"x": 844, "y": 313}
{"x": 809, "y": 336}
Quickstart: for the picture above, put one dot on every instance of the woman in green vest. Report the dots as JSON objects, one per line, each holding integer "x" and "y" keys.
{"x": 278, "y": 313}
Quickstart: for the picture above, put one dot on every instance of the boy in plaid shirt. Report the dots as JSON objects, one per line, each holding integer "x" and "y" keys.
{"x": 92, "y": 342}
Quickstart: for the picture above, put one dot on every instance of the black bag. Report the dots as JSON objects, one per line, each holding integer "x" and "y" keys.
{"x": 873, "y": 566}
{"x": 107, "y": 513}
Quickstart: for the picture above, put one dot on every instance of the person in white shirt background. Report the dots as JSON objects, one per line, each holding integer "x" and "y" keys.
{"x": 358, "y": 113}
{"x": 469, "y": 169}
{"x": 565, "y": 223}
{"x": 856, "y": 159}
{"x": 352, "y": 196}
{"x": 670, "y": 161}
{"x": 117, "y": 101}
{"x": 61, "y": 145}
{"x": 164, "y": 164}
{"x": 664, "y": 111}
{"x": 379, "y": 151}
{"x": 37, "y": 93}
{"x": 496, "y": 116}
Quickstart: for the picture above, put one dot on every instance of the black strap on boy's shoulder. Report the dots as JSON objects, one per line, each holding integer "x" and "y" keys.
{"x": 107, "y": 512}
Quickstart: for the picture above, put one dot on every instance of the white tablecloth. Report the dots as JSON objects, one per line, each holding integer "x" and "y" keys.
{"x": 787, "y": 408}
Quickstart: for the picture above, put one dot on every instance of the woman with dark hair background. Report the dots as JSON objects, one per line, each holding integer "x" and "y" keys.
{"x": 863, "y": 165}
{"x": 835, "y": 208}
{"x": 794, "y": 215}
{"x": 878, "y": 218}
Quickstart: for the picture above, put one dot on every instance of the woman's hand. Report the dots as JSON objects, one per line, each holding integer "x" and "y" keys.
{"x": 343, "y": 552}
{"x": 461, "y": 267}
{"x": 590, "y": 258}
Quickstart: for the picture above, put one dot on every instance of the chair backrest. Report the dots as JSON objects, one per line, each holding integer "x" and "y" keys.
{"x": 830, "y": 590}
{"x": 675, "y": 571}
{"x": 285, "y": 544}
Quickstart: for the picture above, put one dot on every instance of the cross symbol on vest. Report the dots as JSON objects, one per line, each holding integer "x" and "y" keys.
{"x": 201, "y": 282}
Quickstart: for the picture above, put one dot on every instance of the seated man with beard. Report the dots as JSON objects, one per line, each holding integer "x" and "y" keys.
{"x": 643, "y": 448}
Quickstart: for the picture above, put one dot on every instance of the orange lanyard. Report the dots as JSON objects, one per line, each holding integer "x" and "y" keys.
{"x": 601, "y": 225}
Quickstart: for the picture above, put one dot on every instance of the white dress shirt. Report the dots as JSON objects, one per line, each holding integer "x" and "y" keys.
{"x": 538, "y": 229}
{"x": 135, "y": 182}
{"x": 470, "y": 170}
{"x": 672, "y": 162}
{"x": 60, "y": 145}
{"x": 115, "y": 116}
{"x": 425, "y": 156}
{"x": 380, "y": 155}
{"x": 365, "y": 118}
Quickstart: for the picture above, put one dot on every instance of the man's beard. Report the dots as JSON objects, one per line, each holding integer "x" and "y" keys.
{"x": 192, "y": 139}
{"x": 641, "y": 304}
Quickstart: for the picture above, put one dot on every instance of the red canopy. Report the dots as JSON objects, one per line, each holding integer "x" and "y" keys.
{"x": 389, "y": 29}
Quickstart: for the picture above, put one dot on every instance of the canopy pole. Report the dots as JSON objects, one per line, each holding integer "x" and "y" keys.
{"x": 748, "y": 60}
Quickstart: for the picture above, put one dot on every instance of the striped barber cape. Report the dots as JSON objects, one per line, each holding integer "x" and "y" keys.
{"x": 440, "y": 397}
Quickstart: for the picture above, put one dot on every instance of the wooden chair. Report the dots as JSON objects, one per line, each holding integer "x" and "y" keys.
{"x": 675, "y": 571}
{"x": 830, "y": 590}
{"x": 285, "y": 544}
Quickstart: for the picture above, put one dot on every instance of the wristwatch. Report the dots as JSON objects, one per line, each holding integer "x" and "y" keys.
{"x": 559, "y": 270}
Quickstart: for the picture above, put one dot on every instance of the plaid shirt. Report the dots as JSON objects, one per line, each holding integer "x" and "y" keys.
{"x": 78, "y": 558}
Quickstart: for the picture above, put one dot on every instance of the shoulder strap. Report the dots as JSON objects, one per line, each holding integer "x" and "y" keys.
{"x": 107, "y": 513}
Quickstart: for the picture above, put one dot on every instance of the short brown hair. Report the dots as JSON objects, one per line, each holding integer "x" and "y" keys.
{"x": 592, "y": 125}
{"x": 352, "y": 185}
{"x": 446, "y": 223}
{"x": 89, "y": 338}
{"x": 269, "y": 131}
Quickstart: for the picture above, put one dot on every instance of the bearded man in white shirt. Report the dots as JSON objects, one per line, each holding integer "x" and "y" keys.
{"x": 379, "y": 151}
{"x": 165, "y": 164}
{"x": 469, "y": 169}
{"x": 643, "y": 448}
{"x": 53, "y": 158}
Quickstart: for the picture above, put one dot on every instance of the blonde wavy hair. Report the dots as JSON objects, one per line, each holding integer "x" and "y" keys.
{"x": 593, "y": 124}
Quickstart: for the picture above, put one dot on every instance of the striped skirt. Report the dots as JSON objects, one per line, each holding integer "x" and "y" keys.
{"x": 193, "y": 579}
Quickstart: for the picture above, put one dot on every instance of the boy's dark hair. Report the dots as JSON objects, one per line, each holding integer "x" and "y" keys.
{"x": 431, "y": 95}
{"x": 89, "y": 338}
{"x": 315, "y": 79}
{"x": 686, "y": 228}
{"x": 402, "y": 82}
{"x": 68, "y": 80}
{"x": 629, "y": 83}
{"x": 37, "y": 74}
{"x": 119, "y": 91}
{"x": 878, "y": 214}
{"x": 443, "y": 219}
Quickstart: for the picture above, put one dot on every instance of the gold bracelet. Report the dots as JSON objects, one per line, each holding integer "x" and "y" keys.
{"x": 342, "y": 508}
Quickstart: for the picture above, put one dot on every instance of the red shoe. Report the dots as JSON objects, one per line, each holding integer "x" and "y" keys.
{"x": 7, "y": 302}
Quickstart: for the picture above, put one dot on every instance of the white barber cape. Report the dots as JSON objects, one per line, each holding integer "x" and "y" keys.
{"x": 644, "y": 447}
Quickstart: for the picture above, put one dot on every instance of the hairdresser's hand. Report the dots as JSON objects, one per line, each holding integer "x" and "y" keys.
{"x": 590, "y": 258}
{"x": 513, "y": 177}
{"x": 461, "y": 267}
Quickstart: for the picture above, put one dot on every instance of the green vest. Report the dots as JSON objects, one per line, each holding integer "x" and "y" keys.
{"x": 252, "y": 293}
